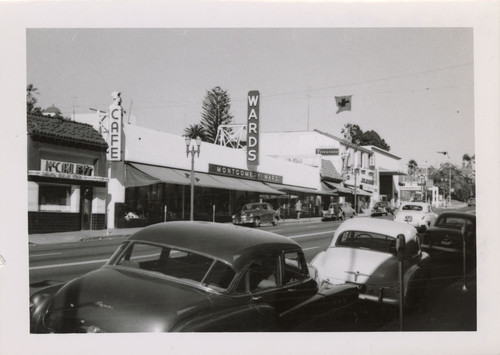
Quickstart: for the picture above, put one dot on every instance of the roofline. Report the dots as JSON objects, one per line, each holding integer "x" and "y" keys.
{"x": 345, "y": 142}
{"x": 382, "y": 151}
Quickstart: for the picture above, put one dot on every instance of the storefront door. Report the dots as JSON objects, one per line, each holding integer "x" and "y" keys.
{"x": 86, "y": 207}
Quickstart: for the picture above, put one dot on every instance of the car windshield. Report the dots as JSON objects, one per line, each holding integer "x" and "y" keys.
{"x": 180, "y": 264}
{"x": 251, "y": 206}
{"x": 367, "y": 241}
{"x": 412, "y": 208}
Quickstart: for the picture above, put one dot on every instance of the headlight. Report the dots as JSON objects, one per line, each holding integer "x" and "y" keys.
{"x": 233, "y": 216}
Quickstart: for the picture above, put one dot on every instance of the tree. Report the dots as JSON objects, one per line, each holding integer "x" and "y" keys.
{"x": 215, "y": 112}
{"x": 31, "y": 99}
{"x": 354, "y": 133}
{"x": 195, "y": 130}
{"x": 412, "y": 168}
{"x": 461, "y": 185}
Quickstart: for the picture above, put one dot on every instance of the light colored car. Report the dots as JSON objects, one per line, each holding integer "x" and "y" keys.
{"x": 363, "y": 252}
{"x": 338, "y": 210}
{"x": 418, "y": 214}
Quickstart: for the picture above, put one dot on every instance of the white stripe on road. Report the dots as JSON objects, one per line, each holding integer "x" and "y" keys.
{"x": 37, "y": 255}
{"x": 309, "y": 234}
{"x": 68, "y": 264}
{"x": 310, "y": 248}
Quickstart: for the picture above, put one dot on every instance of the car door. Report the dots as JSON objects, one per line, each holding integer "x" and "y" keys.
{"x": 280, "y": 280}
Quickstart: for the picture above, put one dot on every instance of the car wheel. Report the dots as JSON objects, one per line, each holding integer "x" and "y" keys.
{"x": 256, "y": 222}
{"x": 275, "y": 221}
{"x": 416, "y": 291}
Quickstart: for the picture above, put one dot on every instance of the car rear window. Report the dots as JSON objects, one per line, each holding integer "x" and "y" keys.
{"x": 412, "y": 208}
{"x": 180, "y": 264}
{"x": 453, "y": 221}
{"x": 367, "y": 241}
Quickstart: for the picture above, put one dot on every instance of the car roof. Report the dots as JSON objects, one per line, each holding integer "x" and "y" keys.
{"x": 415, "y": 203}
{"x": 381, "y": 226}
{"x": 232, "y": 244}
{"x": 458, "y": 214}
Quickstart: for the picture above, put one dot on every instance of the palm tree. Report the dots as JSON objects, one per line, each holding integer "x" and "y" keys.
{"x": 195, "y": 130}
{"x": 412, "y": 168}
{"x": 31, "y": 100}
{"x": 216, "y": 106}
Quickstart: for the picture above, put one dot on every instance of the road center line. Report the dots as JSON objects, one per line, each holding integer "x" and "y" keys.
{"x": 37, "y": 255}
{"x": 309, "y": 234}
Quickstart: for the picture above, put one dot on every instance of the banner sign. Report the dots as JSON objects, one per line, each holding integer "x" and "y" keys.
{"x": 253, "y": 130}
{"x": 244, "y": 174}
{"x": 55, "y": 166}
{"x": 115, "y": 129}
{"x": 327, "y": 151}
{"x": 55, "y": 175}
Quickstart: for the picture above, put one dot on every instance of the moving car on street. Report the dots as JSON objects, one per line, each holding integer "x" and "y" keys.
{"x": 255, "y": 214}
{"x": 381, "y": 208}
{"x": 338, "y": 210}
{"x": 363, "y": 253}
{"x": 193, "y": 277}
{"x": 418, "y": 214}
{"x": 445, "y": 240}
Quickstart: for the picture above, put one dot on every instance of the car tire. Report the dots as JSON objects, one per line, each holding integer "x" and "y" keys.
{"x": 256, "y": 222}
{"x": 416, "y": 291}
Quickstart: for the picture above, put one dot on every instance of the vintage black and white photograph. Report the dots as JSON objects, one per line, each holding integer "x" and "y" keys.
{"x": 311, "y": 181}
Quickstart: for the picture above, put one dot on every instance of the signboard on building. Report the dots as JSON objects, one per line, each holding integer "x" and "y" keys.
{"x": 253, "y": 130}
{"x": 55, "y": 166}
{"x": 327, "y": 151}
{"x": 115, "y": 129}
{"x": 244, "y": 174}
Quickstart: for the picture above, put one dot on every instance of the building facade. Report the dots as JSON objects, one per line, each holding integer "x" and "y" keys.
{"x": 67, "y": 177}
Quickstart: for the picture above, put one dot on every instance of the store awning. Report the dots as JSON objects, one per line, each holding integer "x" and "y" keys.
{"x": 360, "y": 192}
{"x": 137, "y": 174}
{"x": 298, "y": 189}
{"x": 337, "y": 187}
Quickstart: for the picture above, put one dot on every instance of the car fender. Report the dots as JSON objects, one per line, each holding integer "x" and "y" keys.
{"x": 245, "y": 318}
{"x": 39, "y": 303}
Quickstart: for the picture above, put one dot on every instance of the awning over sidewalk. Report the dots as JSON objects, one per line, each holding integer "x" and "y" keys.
{"x": 337, "y": 187}
{"x": 360, "y": 192}
{"x": 383, "y": 171}
{"x": 137, "y": 174}
{"x": 299, "y": 189}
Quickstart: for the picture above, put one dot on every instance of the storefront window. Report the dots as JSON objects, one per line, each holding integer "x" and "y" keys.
{"x": 55, "y": 198}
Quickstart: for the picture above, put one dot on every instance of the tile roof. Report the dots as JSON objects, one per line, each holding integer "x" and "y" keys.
{"x": 328, "y": 171}
{"x": 63, "y": 129}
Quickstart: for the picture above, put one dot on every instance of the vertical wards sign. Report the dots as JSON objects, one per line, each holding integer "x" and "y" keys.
{"x": 253, "y": 129}
{"x": 115, "y": 129}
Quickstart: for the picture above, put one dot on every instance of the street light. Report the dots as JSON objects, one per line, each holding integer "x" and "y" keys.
{"x": 192, "y": 151}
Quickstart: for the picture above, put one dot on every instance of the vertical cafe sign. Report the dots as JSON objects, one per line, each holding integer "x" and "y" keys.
{"x": 253, "y": 130}
{"x": 115, "y": 128}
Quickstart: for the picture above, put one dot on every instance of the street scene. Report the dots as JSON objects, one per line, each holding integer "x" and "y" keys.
{"x": 215, "y": 190}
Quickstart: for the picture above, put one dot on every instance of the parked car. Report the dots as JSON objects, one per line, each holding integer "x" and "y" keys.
{"x": 338, "y": 210}
{"x": 255, "y": 214}
{"x": 445, "y": 240}
{"x": 191, "y": 276}
{"x": 363, "y": 252}
{"x": 381, "y": 208}
{"x": 471, "y": 202}
{"x": 418, "y": 214}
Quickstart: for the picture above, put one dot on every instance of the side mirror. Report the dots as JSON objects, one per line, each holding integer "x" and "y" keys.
{"x": 400, "y": 246}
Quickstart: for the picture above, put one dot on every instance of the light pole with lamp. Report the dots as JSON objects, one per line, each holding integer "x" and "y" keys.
{"x": 192, "y": 151}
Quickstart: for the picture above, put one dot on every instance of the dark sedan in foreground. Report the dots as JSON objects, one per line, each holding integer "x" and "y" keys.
{"x": 192, "y": 276}
{"x": 447, "y": 238}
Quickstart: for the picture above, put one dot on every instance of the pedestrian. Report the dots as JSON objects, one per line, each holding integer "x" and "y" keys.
{"x": 298, "y": 208}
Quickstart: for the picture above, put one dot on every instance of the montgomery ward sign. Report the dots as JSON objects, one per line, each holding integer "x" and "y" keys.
{"x": 244, "y": 174}
{"x": 253, "y": 130}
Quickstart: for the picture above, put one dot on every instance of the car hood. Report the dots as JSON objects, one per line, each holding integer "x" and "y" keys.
{"x": 117, "y": 300}
{"x": 339, "y": 264}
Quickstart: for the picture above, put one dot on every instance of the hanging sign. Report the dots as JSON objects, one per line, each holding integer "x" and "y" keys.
{"x": 253, "y": 130}
{"x": 115, "y": 128}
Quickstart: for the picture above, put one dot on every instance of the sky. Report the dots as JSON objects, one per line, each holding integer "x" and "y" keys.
{"x": 413, "y": 86}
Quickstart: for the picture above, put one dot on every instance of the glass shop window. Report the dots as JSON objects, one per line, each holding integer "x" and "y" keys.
{"x": 55, "y": 198}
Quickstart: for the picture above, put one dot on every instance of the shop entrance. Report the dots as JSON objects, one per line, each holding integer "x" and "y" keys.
{"x": 86, "y": 207}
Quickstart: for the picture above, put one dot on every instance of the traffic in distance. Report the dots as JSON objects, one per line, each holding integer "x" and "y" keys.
{"x": 365, "y": 273}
